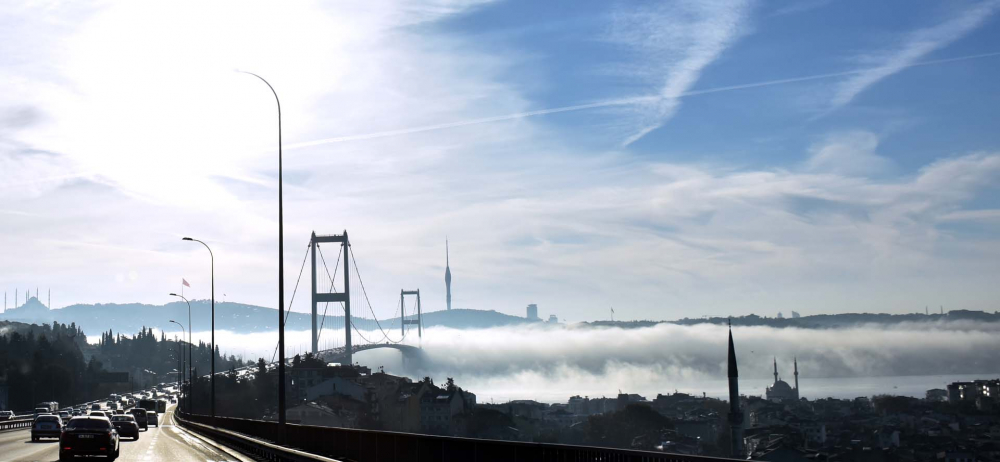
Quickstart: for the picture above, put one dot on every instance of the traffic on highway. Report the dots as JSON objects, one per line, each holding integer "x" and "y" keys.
{"x": 131, "y": 426}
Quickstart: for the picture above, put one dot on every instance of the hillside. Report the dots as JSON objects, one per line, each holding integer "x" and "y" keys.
{"x": 819, "y": 321}
{"x": 236, "y": 317}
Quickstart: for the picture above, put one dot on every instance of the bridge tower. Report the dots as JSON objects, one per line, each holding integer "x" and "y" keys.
{"x": 402, "y": 313}
{"x": 334, "y": 297}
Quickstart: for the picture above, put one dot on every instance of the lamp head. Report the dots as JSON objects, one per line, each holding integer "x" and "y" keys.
{"x": 172, "y": 320}
{"x": 187, "y": 239}
{"x": 173, "y": 294}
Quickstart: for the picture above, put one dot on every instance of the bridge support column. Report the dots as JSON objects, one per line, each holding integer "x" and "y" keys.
{"x": 315, "y": 332}
{"x": 333, "y": 297}
{"x": 402, "y": 320}
{"x": 347, "y": 300}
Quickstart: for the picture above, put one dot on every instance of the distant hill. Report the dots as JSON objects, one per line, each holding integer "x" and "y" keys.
{"x": 129, "y": 318}
{"x": 819, "y": 321}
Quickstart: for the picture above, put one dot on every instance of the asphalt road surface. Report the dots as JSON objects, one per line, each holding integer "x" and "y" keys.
{"x": 166, "y": 443}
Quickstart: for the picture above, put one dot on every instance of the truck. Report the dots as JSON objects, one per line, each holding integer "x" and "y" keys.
{"x": 50, "y": 406}
{"x": 147, "y": 404}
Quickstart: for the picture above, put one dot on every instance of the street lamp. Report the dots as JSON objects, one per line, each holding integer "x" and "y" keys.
{"x": 180, "y": 373}
{"x": 212, "y": 377}
{"x": 281, "y": 273}
{"x": 190, "y": 363}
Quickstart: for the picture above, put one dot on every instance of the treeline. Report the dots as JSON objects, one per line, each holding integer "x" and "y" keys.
{"x": 249, "y": 395}
{"x": 49, "y": 366}
{"x": 157, "y": 356}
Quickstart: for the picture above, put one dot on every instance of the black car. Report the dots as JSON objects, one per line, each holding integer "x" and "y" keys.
{"x": 46, "y": 426}
{"x": 140, "y": 417}
{"x": 92, "y": 436}
{"x": 126, "y": 425}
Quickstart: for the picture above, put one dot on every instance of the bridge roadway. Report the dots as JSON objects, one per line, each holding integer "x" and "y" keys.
{"x": 166, "y": 443}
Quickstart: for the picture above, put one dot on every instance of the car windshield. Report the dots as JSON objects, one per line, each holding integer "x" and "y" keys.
{"x": 48, "y": 418}
{"x": 95, "y": 424}
{"x": 122, "y": 418}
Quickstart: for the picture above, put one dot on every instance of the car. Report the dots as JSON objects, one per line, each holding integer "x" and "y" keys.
{"x": 95, "y": 407}
{"x": 140, "y": 417}
{"x": 40, "y": 411}
{"x": 151, "y": 418}
{"x": 118, "y": 412}
{"x": 65, "y": 416}
{"x": 6, "y": 415}
{"x": 98, "y": 414}
{"x": 89, "y": 436}
{"x": 126, "y": 425}
{"x": 46, "y": 426}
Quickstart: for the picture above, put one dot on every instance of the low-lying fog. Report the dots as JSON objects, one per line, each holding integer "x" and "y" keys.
{"x": 550, "y": 363}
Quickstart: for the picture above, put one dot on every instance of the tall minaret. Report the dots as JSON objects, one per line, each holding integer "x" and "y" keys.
{"x": 796, "y": 378}
{"x": 735, "y": 414}
{"x": 775, "y": 369}
{"x": 447, "y": 272}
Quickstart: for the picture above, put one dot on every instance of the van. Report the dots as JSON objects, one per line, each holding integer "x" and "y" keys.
{"x": 140, "y": 417}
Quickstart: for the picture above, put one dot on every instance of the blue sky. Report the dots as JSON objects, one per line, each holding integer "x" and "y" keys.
{"x": 669, "y": 159}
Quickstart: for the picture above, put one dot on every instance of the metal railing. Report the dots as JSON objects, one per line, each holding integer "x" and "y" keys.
{"x": 383, "y": 446}
{"x": 23, "y": 421}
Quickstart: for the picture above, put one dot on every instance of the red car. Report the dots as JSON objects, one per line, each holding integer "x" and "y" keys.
{"x": 89, "y": 436}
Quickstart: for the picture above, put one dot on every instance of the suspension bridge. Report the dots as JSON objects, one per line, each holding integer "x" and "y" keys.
{"x": 362, "y": 329}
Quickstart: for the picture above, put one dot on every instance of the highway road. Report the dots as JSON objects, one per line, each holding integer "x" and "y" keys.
{"x": 166, "y": 443}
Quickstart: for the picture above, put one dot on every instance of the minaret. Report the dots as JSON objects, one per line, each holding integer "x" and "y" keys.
{"x": 735, "y": 414}
{"x": 447, "y": 272}
{"x": 796, "y": 377}
{"x": 775, "y": 370}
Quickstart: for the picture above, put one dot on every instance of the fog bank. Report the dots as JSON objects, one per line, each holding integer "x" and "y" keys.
{"x": 550, "y": 363}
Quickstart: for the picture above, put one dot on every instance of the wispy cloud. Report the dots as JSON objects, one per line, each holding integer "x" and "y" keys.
{"x": 914, "y": 46}
{"x": 675, "y": 42}
{"x": 638, "y": 100}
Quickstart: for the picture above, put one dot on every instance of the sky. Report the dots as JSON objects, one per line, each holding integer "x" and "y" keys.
{"x": 668, "y": 159}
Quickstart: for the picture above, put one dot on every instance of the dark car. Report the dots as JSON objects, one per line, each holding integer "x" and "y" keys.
{"x": 126, "y": 425}
{"x": 91, "y": 436}
{"x": 140, "y": 417}
{"x": 46, "y": 426}
{"x": 151, "y": 418}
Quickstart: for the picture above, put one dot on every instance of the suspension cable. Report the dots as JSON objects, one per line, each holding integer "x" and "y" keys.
{"x": 304, "y": 258}
{"x": 365, "y": 293}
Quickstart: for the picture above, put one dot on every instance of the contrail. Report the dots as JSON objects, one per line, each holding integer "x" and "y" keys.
{"x": 617, "y": 102}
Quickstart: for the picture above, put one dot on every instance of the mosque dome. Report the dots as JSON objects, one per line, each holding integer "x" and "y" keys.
{"x": 780, "y": 390}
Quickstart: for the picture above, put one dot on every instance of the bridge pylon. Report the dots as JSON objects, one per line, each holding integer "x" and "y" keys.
{"x": 402, "y": 313}
{"x": 344, "y": 297}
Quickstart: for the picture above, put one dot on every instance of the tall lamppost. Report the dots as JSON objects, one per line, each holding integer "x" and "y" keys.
{"x": 212, "y": 377}
{"x": 180, "y": 353}
{"x": 190, "y": 363}
{"x": 281, "y": 273}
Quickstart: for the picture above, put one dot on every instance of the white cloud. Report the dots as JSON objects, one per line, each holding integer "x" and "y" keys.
{"x": 912, "y": 48}
{"x": 142, "y": 156}
{"x": 676, "y": 42}
{"x": 851, "y": 153}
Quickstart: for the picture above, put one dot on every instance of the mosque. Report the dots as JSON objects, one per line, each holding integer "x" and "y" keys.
{"x": 780, "y": 390}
